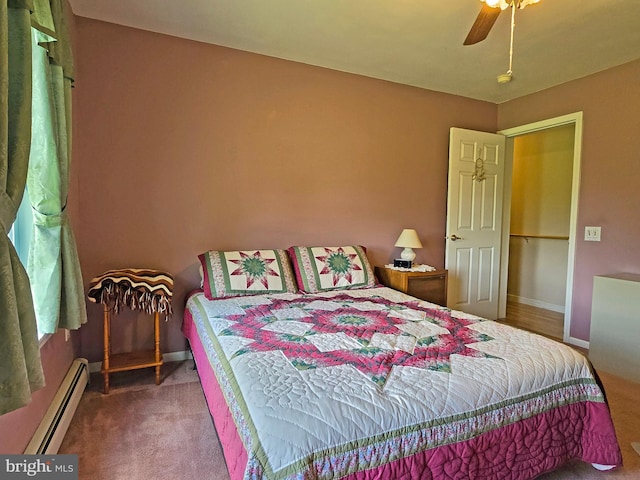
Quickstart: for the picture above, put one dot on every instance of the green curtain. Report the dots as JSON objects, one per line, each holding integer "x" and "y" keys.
{"x": 54, "y": 268}
{"x": 20, "y": 365}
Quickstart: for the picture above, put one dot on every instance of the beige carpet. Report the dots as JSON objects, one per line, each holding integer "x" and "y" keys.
{"x": 142, "y": 431}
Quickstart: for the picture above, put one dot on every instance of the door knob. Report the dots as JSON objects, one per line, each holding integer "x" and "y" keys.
{"x": 454, "y": 237}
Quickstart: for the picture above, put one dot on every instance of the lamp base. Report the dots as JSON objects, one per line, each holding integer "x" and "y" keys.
{"x": 408, "y": 254}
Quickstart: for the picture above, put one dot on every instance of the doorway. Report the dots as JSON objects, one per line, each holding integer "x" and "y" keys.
{"x": 551, "y": 233}
{"x": 539, "y": 232}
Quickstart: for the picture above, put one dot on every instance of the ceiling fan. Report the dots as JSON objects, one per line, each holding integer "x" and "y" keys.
{"x": 488, "y": 15}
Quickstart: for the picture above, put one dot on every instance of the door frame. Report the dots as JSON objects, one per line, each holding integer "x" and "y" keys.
{"x": 510, "y": 133}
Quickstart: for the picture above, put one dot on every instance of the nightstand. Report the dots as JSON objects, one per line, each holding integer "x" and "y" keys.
{"x": 428, "y": 286}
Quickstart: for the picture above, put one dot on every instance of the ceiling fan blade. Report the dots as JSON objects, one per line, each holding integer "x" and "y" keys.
{"x": 483, "y": 24}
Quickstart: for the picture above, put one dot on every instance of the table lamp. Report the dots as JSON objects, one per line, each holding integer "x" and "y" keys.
{"x": 408, "y": 240}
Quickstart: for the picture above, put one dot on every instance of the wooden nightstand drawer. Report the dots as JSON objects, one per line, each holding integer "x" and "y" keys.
{"x": 428, "y": 286}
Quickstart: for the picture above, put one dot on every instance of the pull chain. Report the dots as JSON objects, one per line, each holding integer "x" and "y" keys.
{"x": 513, "y": 26}
{"x": 507, "y": 77}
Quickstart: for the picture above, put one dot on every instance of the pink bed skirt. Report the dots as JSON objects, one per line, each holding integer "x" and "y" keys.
{"x": 232, "y": 446}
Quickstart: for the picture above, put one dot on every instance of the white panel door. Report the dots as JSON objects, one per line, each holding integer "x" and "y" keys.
{"x": 474, "y": 221}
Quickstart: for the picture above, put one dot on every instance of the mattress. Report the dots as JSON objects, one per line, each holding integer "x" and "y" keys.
{"x": 373, "y": 383}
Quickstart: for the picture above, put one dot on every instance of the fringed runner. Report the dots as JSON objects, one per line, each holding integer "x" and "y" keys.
{"x": 138, "y": 289}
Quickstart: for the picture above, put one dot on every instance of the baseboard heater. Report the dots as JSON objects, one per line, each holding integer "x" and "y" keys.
{"x": 49, "y": 435}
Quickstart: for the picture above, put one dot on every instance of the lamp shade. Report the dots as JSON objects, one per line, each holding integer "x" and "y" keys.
{"x": 408, "y": 239}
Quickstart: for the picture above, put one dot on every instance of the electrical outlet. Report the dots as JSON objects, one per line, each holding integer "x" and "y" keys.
{"x": 592, "y": 234}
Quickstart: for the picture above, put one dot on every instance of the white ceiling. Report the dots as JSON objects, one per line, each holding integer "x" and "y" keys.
{"x": 414, "y": 42}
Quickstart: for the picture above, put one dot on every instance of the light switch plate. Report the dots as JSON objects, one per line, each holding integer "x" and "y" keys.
{"x": 592, "y": 234}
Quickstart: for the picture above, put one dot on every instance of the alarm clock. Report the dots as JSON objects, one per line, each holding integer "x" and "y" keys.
{"x": 398, "y": 262}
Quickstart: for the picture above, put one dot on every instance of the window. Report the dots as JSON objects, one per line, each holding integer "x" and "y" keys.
{"x": 20, "y": 233}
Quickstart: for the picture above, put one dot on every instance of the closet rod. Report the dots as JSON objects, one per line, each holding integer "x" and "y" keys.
{"x": 551, "y": 237}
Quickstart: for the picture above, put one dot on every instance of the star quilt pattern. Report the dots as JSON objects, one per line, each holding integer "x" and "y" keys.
{"x": 372, "y": 336}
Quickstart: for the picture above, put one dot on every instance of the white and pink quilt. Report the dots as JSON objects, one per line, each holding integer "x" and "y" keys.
{"x": 374, "y": 384}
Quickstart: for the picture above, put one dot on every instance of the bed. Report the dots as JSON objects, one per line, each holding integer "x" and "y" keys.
{"x": 321, "y": 373}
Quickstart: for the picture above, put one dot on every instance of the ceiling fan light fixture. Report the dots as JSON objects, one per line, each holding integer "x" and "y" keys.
{"x": 496, "y": 3}
{"x": 504, "y": 4}
{"x": 488, "y": 15}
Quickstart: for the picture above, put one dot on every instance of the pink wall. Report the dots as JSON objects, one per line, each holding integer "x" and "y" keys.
{"x": 17, "y": 427}
{"x": 610, "y": 172}
{"x": 183, "y": 147}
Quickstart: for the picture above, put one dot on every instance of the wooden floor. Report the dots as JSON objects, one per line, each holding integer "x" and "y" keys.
{"x": 535, "y": 319}
{"x": 538, "y": 320}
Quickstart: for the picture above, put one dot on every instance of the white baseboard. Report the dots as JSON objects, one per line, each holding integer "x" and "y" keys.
{"x": 578, "y": 342}
{"x": 535, "y": 303}
{"x": 166, "y": 357}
